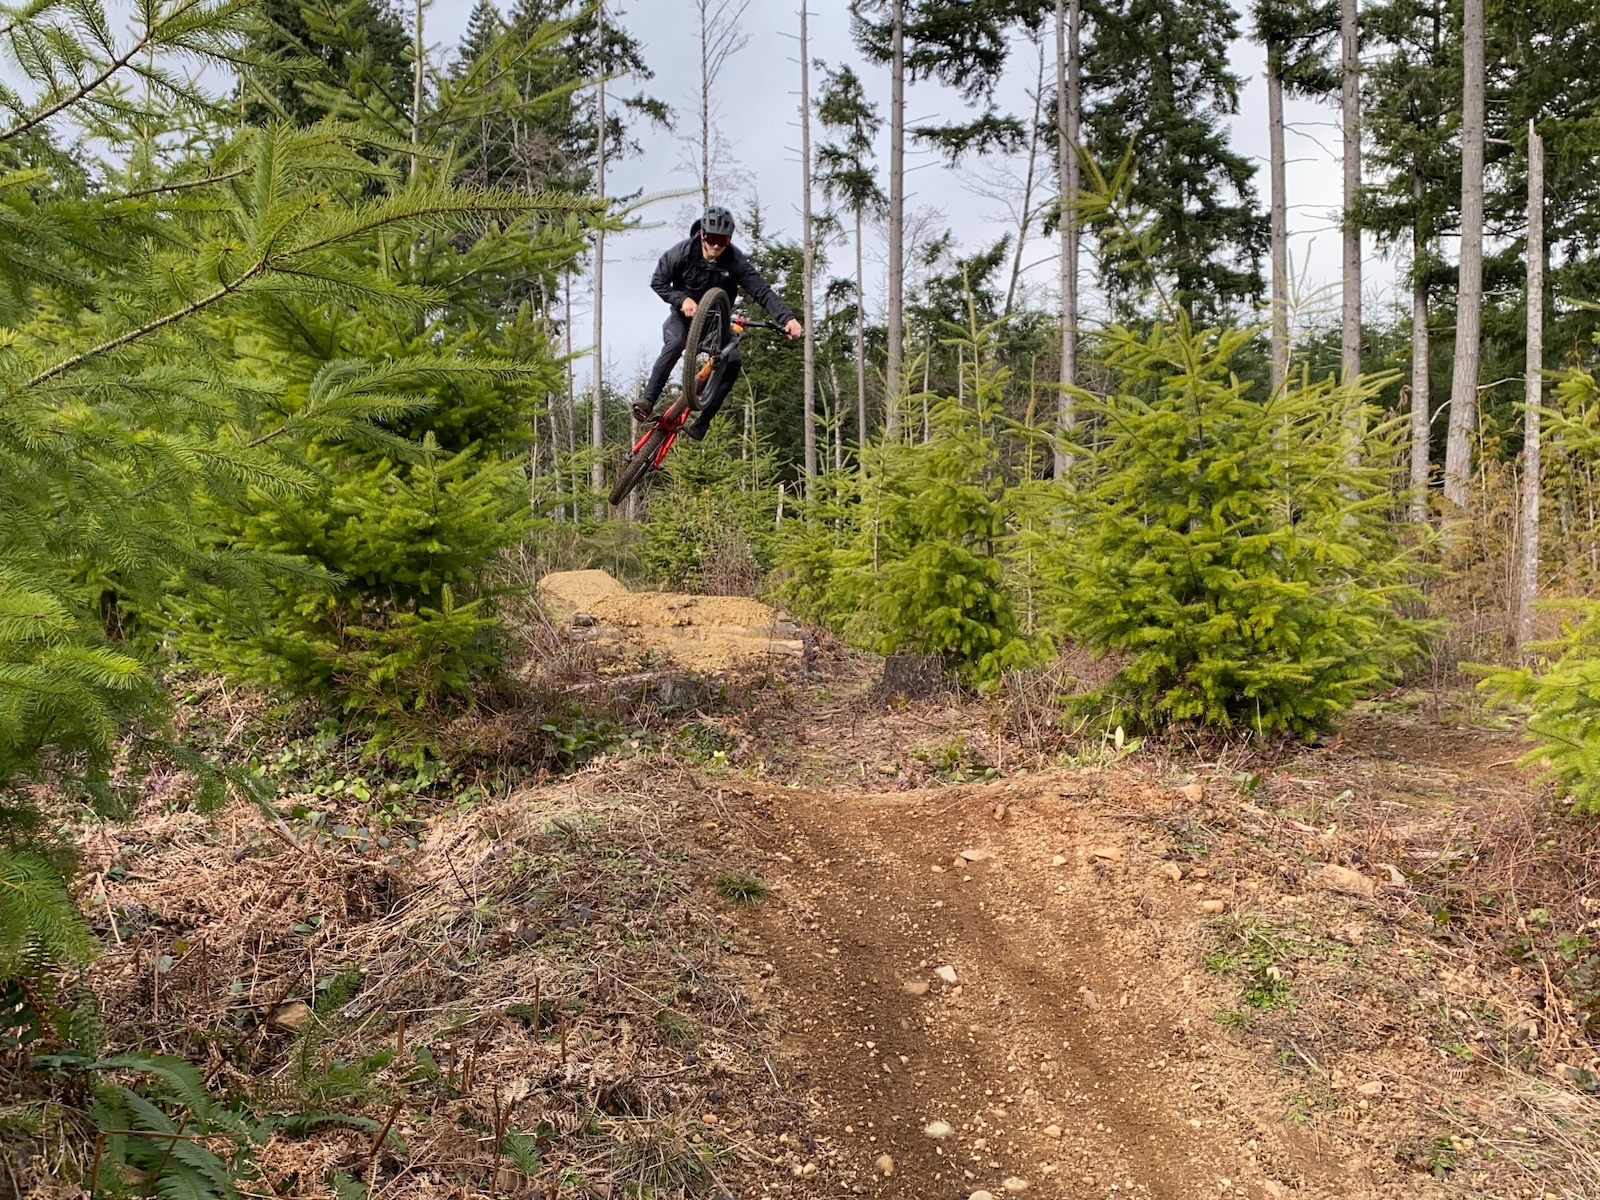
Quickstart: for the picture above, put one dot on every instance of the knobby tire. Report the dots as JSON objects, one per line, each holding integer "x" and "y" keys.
{"x": 713, "y": 306}
{"x": 638, "y": 466}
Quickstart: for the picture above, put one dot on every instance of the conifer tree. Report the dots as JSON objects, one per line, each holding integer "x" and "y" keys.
{"x": 1412, "y": 96}
{"x": 1295, "y": 33}
{"x": 1157, "y": 84}
{"x": 153, "y": 312}
{"x": 343, "y": 50}
{"x": 848, "y": 179}
{"x": 1469, "y": 292}
{"x": 961, "y": 43}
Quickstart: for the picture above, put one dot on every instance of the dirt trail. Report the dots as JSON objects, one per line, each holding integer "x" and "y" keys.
{"x": 1067, "y": 1058}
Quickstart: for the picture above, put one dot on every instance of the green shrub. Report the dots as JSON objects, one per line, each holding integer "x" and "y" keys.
{"x": 921, "y": 552}
{"x": 1232, "y": 551}
{"x": 1562, "y": 687}
{"x": 711, "y": 523}
{"x": 1563, "y": 696}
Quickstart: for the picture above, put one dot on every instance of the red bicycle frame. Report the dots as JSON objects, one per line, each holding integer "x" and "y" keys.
{"x": 677, "y": 415}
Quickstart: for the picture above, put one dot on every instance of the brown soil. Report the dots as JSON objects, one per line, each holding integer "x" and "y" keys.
{"x": 700, "y": 633}
{"x": 1154, "y": 997}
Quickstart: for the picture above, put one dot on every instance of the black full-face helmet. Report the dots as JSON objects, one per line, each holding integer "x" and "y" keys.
{"x": 718, "y": 222}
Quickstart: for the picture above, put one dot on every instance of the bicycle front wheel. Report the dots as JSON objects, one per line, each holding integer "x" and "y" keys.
{"x": 710, "y": 330}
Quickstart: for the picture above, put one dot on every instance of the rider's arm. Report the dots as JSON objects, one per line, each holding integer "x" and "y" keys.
{"x": 662, "y": 282}
{"x": 759, "y": 290}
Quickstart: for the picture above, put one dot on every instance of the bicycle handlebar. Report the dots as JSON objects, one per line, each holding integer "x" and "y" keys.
{"x": 741, "y": 323}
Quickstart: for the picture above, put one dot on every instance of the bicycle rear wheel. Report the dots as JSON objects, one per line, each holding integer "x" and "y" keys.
{"x": 637, "y": 466}
{"x": 709, "y": 331}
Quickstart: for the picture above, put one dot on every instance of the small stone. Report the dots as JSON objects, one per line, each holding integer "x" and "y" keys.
{"x": 1170, "y": 871}
{"x": 946, "y": 973}
{"x": 884, "y": 1165}
{"x": 1091, "y": 1001}
{"x": 1058, "y": 861}
{"x": 709, "y": 1119}
{"x": 1052, "y": 1131}
{"x": 1373, "y": 1087}
{"x": 1109, "y": 853}
{"x": 937, "y": 1130}
{"x": 1395, "y": 877}
{"x": 999, "y": 812}
{"x": 915, "y": 987}
{"x": 958, "y": 861}
{"x": 291, "y": 1015}
{"x": 1212, "y": 906}
{"x": 976, "y": 855}
{"x": 1015, "y": 1184}
{"x": 980, "y": 1195}
{"x": 936, "y": 869}
{"x": 1193, "y": 790}
{"x": 1343, "y": 879}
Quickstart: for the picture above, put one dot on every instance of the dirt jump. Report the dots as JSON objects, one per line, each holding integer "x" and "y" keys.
{"x": 698, "y": 633}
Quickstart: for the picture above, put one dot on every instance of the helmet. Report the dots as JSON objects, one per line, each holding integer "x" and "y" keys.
{"x": 718, "y": 222}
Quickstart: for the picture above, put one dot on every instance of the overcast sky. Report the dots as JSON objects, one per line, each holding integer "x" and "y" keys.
{"x": 758, "y": 99}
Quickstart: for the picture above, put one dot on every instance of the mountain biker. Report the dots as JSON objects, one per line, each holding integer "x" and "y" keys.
{"x": 706, "y": 259}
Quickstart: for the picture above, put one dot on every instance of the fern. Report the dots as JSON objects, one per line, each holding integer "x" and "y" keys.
{"x": 38, "y": 922}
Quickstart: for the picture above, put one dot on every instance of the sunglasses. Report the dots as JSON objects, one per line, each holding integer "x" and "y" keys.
{"x": 715, "y": 239}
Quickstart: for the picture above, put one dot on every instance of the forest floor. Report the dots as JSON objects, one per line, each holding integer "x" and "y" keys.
{"x": 812, "y": 941}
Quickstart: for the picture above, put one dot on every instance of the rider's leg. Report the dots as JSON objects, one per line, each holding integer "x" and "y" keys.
{"x": 724, "y": 384}
{"x": 674, "y": 336}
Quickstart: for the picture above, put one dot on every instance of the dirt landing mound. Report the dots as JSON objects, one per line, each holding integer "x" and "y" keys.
{"x": 702, "y": 633}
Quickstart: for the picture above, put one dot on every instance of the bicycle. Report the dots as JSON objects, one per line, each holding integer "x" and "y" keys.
{"x": 714, "y": 331}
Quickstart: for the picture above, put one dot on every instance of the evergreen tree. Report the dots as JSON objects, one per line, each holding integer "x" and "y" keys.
{"x": 962, "y": 43}
{"x": 1412, "y": 103}
{"x": 342, "y": 52}
{"x": 1541, "y": 60}
{"x": 848, "y": 179}
{"x": 916, "y": 566}
{"x": 145, "y": 308}
{"x": 1227, "y": 547}
{"x": 1157, "y": 84}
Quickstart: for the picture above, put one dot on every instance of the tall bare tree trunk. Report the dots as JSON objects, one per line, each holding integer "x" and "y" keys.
{"x": 838, "y": 418}
{"x": 1067, "y": 103}
{"x": 417, "y": 49}
{"x": 808, "y": 254}
{"x": 572, "y": 397}
{"x": 1350, "y": 308}
{"x": 1421, "y": 417}
{"x": 597, "y": 426}
{"x": 1528, "y": 592}
{"x": 1469, "y": 293}
{"x": 1025, "y": 220}
{"x": 897, "y": 216}
{"x": 861, "y": 344}
{"x": 705, "y": 114}
{"x": 1280, "y": 221}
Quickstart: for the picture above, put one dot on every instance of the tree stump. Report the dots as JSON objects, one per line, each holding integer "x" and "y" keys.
{"x": 914, "y": 676}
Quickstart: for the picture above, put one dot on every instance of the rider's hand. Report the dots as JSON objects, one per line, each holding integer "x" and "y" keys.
{"x": 793, "y": 329}
{"x": 689, "y": 306}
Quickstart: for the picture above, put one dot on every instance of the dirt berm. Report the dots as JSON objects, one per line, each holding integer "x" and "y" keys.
{"x": 701, "y": 633}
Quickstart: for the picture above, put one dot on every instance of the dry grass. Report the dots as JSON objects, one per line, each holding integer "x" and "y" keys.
{"x": 542, "y": 964}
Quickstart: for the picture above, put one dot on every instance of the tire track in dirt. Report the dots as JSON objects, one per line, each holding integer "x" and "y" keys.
{"x": 1075, "y": 1094}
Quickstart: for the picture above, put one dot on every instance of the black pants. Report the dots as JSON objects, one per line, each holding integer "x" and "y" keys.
{"x": 674, "y": 337}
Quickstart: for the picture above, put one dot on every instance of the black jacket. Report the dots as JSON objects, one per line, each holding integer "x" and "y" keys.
{"x": 683, "y": 271}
